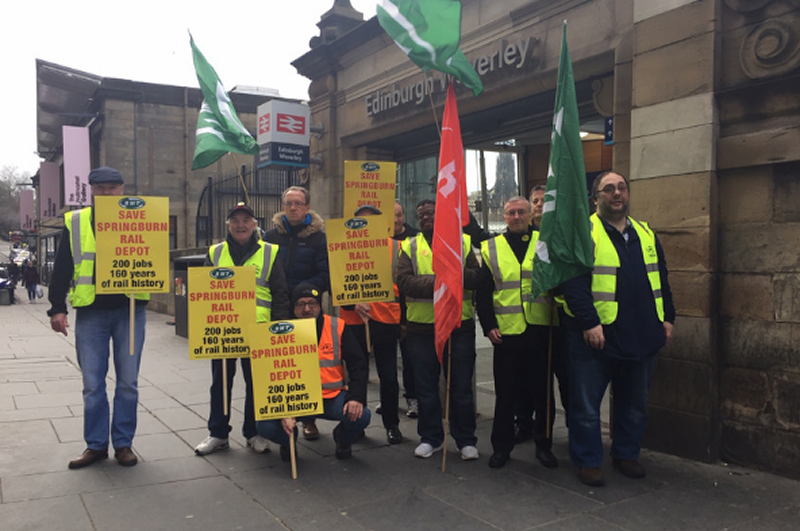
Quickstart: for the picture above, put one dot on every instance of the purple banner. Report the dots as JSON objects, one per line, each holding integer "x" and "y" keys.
{"x": 76, "y": 165}
{"x": 48, "y": 190}
{"x": 27, "y": 214}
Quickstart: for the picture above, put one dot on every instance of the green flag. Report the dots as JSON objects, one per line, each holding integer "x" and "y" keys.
{"x": 429, "y": 32}
{"x": 218, "y": 128}
{"x": 564, "y": 249}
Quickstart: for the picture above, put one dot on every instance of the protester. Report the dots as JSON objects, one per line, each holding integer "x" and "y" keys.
{"x": 383, "y": 319}
{"x": 403, "y": 230}
{"x": 416, "y": 280}
{"x": 619, "y": 317}
{"x": 99, "y": 319}
{"x": 243, "y": 247}
{"x": 537, "y": 205}
{"x": 513, "y": 321}
{"x": 340, "y": 358}
{"x": 300, "y": 234}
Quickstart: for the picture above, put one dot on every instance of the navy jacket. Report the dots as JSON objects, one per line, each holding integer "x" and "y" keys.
{"x": 637, "y": 333}
{"x": 303, "y": 251}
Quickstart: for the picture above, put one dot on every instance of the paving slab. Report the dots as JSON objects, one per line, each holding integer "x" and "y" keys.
{"x": 382, "y": 487}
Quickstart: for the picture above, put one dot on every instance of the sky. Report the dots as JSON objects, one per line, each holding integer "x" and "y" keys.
{"x": 148, "y": 41}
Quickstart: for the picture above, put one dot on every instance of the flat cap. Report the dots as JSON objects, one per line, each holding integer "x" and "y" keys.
{"x": 105, "y": 175}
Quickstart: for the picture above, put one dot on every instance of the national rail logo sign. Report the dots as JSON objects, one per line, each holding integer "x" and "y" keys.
{"x": 283, "y": 122}
{"x": 292, "y": 124}
{"x": 263, "y": 124}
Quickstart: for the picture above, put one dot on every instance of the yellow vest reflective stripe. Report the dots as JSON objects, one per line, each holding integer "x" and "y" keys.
{"x": 329, "y": 351}
{"x": 514, "y": 307}
{"x": 606, "y": 265}
{"x": 421, "y": 310}
{"x": 83, "y": 247}
{"x": 262, "y": 260}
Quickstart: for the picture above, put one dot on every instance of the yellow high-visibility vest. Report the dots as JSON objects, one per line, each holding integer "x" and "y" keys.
{"x": 262, "y": 260}
{"x": 421, "y": 310}
{"x": 83, "y": 247}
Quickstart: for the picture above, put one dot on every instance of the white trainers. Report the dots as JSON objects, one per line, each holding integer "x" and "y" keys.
{"x": 469, "y": 453}
{"x": 258, "y": 444}
{"x": 425, "y": 450}
{"x": 413, "y": 408}
{"x": 211, "y": 445}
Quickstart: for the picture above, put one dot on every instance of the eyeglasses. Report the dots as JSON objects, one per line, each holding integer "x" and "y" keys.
{"x": 312, "y": 305}
{"x": 609, "y": 188}
{"x": 515, "y": 213}
{"x": 291, "y": 204}
{"x": 426, "y": 214}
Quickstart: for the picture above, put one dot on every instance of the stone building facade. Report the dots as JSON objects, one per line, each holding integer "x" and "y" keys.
{"x": 705, "y": 105}
{"x": 147, "y": 132}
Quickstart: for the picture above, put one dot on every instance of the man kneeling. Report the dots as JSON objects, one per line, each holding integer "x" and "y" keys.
{"x": 345, "y": 403}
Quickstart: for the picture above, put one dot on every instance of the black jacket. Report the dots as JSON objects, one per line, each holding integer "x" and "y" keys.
{"x": 303, "y": 251}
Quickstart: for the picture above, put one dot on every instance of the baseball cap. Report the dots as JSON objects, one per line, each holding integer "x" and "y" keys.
{"x": 241, "y": 207}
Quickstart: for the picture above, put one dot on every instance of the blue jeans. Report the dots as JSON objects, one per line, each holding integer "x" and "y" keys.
{"x": 218, "y": 422}
{"x": 590, "y": 372}
{"x": 333, "y": 409}
{"x": 93, "y": 330}
{"x": 426, "y": 375}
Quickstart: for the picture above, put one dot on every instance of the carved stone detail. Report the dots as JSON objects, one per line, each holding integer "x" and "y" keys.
{"x": 603, "y": 96}
{"x": 746, "y": 6}
{"x": 772, "y": 48}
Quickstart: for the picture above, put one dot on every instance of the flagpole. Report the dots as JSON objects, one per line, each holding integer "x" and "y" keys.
{"x": 433, "y": 107}
{"x": 241, "y": 177}
{"x": 548, "y": 428}
{"x": 447, "y": 401}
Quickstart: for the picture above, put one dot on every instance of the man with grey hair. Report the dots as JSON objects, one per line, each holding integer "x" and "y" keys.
{"x": 100, "y": 320}
{"x": 511, "y": 317}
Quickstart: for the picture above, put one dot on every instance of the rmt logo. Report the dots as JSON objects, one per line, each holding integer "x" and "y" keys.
{"x": 292, "y": 124}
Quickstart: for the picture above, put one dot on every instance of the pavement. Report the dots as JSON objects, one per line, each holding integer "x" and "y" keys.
{"x": 381, "y": 488}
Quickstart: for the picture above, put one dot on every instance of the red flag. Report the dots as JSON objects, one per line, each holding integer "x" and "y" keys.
{"x": 451, "y": 216}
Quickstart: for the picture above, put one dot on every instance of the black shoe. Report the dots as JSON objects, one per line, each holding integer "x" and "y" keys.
{"x": 629, "y": 467}
{"x": 546, "y": 458}
{"x": 522, "y": 435}
{"x": 393, "y": 435}
{"x": 343, "y": 451}
{"x": 286, "y": 452}
{"x": 498, "y": 460}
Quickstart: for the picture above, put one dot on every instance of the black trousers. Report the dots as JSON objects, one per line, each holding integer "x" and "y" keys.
{"x": 530, "y": 409}
{"x": 514, "y": 379}
{"x": 384, "y": 339}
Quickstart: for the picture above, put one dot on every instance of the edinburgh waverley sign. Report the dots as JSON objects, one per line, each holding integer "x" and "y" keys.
{"x": 505, "y": 56}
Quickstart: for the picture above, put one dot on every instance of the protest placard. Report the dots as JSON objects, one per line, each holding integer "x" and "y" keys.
{"x": 369, "y": 184}
{"x": 285, "y": 366}
{"x": 132, "y": 238}
{"x": 360, "y": 260}
{"x": 222, "y": 306}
